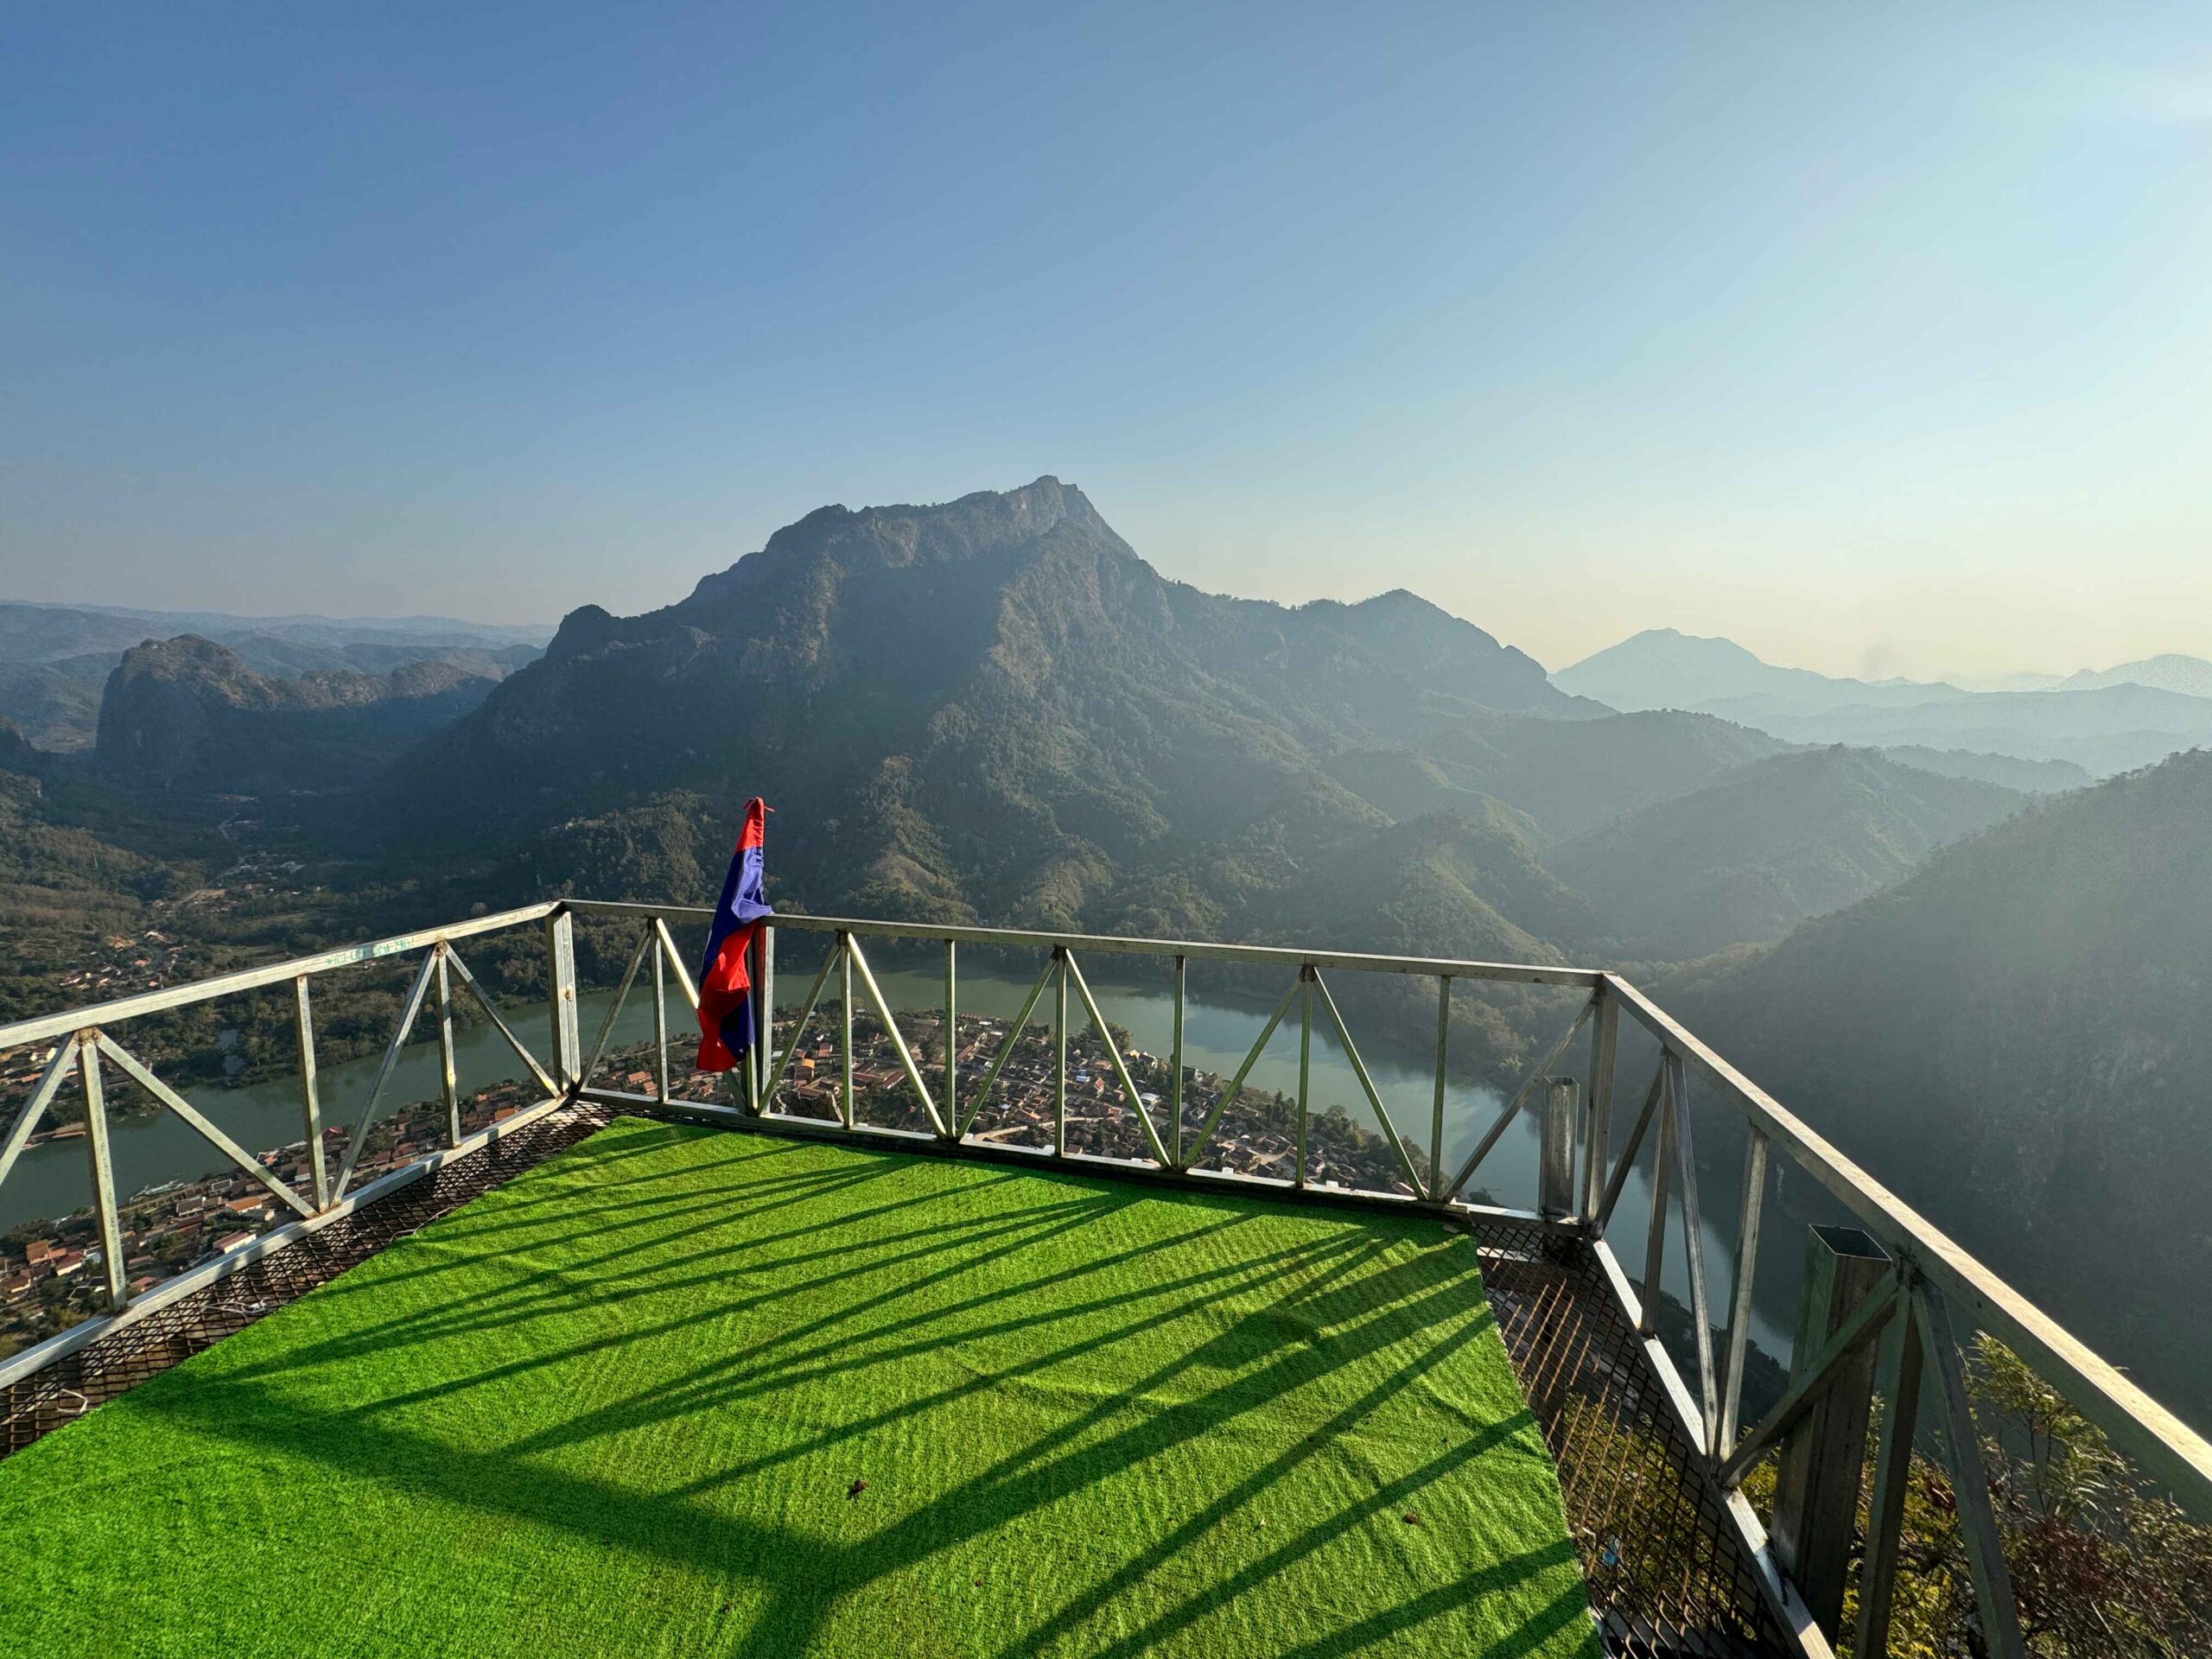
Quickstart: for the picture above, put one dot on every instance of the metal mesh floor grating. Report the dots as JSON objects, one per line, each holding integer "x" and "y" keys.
{"x": 1667, "y": 1578}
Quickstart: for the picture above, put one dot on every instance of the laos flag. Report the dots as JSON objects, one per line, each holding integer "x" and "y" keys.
{"x": 727, "y": 1018}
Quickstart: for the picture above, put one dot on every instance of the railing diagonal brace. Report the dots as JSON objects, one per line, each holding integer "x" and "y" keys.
{"x": 614, "y": 1008}
{"x": 1993, "y": 1579}
{"x": 49, "y": 1083}
{"x": 676, "y": 960}
{"x": 1197, "y": 1148}
{"x": 137, "y": 1072}
{"x": 407, "y": 1012}
{"x": 1513, "y": 1107}
{"x": 483, "y": 1000}
{"x": 1805, "y": 1391}
{"x": 1121, "y": 1069}
{"x": 1366, "y": 1082}
{"x": 898, "y": 1041}
{"x": 782, "y": 1064}
{"x": 1642, "y": 1127}
{"x": 1006, "y": 1049}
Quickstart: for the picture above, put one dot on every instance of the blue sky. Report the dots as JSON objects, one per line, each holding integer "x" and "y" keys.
{"x": 1878, "y": 339}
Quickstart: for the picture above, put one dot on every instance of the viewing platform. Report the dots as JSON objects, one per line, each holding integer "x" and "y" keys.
{"x": 952, "y": 1329}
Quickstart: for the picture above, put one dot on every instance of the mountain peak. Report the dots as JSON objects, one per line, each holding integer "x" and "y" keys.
{"x": 976, "y": 525}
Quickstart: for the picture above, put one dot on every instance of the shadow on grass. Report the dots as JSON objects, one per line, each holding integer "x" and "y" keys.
{"x": 1342, "y": 1300}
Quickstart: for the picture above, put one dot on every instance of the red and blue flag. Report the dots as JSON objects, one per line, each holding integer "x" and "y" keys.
{"x": 728, "y": 1021}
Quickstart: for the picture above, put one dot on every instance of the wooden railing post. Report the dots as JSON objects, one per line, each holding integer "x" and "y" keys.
{"x": 1555, "y": 1194}
{"x": 561, "y": 1000}
{"x": 763, "y": 1011}
{"x": 1816, "y": 1485}
{"x": 1598, "y": 1151}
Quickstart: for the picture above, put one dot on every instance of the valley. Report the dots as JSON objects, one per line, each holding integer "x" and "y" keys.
{"x": 995, "y": 710}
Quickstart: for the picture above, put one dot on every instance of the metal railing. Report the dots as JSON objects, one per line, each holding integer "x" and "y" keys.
{"x": 1929, "y": 1290}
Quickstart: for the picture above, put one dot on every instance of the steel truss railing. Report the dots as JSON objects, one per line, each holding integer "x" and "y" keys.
{"x": 1931, "y": 1289}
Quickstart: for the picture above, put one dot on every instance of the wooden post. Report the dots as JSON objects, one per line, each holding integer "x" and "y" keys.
{"x": 1604, "y": 1044}
{"x": 1437, "y": 1194}
{"x": 1816, "y": 1485}
{"x": 845, "y": 1024}
{"x": 1898, "y": 1374}
{"x": 1175, "y": 1061}
{"x": 1304, "y": 1062}
{"x": 102, "y": 1171}
{"x": 1555, "y": 1174}
{"x": 310, "y": 1097}
{"x": 449, "y": 1079}
{"x": 1060, "y": 1054}
{"x": 764, "y": 1014}
{"x": 561, "y": 1001}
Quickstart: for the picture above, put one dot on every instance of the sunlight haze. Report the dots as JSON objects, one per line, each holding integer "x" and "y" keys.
{"x": 1877, "y": 342}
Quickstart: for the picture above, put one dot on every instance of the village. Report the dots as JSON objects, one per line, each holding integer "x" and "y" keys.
{"x": 1256, "y": 1135}
{"x": 51, "y": 1273}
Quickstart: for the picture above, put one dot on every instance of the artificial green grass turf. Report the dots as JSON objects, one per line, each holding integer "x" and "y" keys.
{"x": 618, "y": 1406}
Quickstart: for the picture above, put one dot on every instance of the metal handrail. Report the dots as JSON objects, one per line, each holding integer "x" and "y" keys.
{"x": 1934, "y": 1277}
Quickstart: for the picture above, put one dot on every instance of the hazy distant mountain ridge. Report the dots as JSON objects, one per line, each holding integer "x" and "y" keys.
{"x": 1760, "y": 848}
{"x": 2171, "y": 672}
{"x": 2108, "y": 729}
{"x": 2104, "y": 723}
{"x": 1661, "y": 668}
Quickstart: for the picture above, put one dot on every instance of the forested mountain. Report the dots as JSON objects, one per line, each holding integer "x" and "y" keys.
{"x": 190, "y": 710}
{"x": 2015, "y": 1038}
{"x": 995, "y": 708}
{"x": 2029, "y": 777}
{"x": 1764, "y": 846}
{"x": 61, "y": 886}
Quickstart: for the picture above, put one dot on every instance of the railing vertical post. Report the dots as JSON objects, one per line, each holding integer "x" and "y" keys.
{"x": 1175, "y": 1064}
{"x": 1749, "y": 1212}
{"x": 1896, "y": 1376}
{"x": 1305, "y": 1062}
{"x": 449, "y": 1079}
{"x": 660, "y": 1019}
{"x": 1555, "y": 1168}
{"x": 1060, "y": 1055}
{"x": 97, "y": 1152}
{"x": 1708, "y": 1387}
{"x": 951, "y": 1042}
{"x": 310, "y": 1093}
{"x": 1993, "y": 1597}
{"x": 560, "y": 998}
{"x": 751, "y": 1066}
{"x": 763, "y": 1036}
{"x": 1816, "y": 1482}
{"x": 1662, "y": 1163}
{"x": 845, "y": 1023}
{"x": 1436, "y": 1108}
{"x": 1598, "y": 1151}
